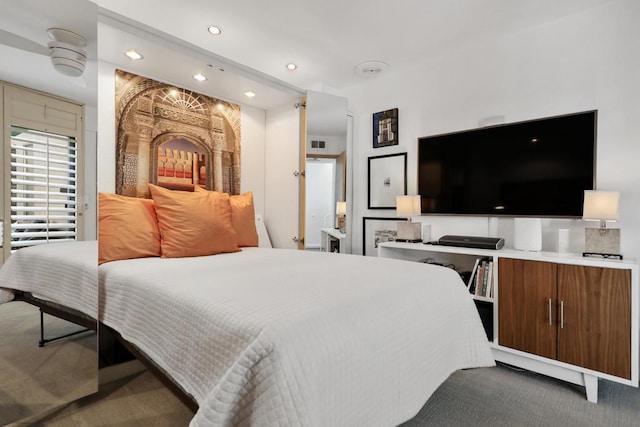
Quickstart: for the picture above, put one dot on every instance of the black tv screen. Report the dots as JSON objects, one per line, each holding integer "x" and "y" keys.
{"x": 536, "y": 168}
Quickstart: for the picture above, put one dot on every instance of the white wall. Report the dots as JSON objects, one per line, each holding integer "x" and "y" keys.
{"x": 252, "y": 145}
{"x": 334, "y": 144}
{"x": 576, "y": 63}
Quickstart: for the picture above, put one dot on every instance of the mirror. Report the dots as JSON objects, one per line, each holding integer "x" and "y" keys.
{"x": 38, "y": 376}
{"x": 326, "y": 173}
{"x": 48, "y": 350}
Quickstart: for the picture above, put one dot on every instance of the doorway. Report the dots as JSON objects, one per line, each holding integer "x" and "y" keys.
{"x": 320, "y": 200}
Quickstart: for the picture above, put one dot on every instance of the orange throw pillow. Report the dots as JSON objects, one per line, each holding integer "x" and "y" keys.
{"x": 187, "y": 225}
{"x": 128, "y": 228}
{"x": 243, "y": 218}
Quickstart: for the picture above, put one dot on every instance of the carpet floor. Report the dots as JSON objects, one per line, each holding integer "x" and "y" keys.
{"x": 497, "y": 396}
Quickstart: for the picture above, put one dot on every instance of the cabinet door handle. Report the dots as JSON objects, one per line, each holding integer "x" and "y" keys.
{"x": 550, "y": 318}
{"x": 561, "y": 314}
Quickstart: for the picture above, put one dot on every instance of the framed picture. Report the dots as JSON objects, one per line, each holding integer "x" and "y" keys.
{"x": 376, "y": 230}
{"x": 385, "y": 128}
{"x": 387, "y": 176}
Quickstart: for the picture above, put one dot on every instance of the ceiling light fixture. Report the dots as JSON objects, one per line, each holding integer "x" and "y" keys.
{"x": 371, "y": 68}
{"x": 250, "y": 94}
{"x": 133, "y": 54}
{"x": 291, "y": 66}
{"x": 199, "y": 77}
{"x": 216, "y": 31}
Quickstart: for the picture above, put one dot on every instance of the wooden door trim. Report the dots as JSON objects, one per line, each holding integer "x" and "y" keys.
{"x": 302, "y": 168}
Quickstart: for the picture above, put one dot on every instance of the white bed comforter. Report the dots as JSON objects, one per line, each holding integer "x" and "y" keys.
{"x": 64, "y": 273}
{"x": 274, "y": 337}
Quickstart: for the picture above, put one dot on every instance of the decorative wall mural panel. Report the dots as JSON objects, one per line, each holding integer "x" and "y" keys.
{"x": 174, "y": 138}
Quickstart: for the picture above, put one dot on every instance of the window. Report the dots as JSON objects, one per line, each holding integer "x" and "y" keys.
{"x": 43, "y": 188}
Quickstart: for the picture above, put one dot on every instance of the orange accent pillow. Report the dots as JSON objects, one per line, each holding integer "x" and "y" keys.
{"x": 193, "y": 223}
{"x": 128, "y": 228}
{"x": 243, "y": 218}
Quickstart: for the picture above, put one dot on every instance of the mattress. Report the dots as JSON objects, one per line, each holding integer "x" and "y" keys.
{"x": 276, "y": 337}
{"x": 65, "y": 273}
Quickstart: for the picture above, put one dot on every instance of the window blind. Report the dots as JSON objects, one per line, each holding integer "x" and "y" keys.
{"x": 43, "y": 188}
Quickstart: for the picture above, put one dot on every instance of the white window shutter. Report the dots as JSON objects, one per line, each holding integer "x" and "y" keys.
{"x": 44, "y": 178}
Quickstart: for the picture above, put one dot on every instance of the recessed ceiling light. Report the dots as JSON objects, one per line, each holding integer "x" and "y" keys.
{"x": 291, "y": 66}
{"x": 249, "y": 94}
{"x": 199, "y": 77}
{"x": 216, "y": 31}
{"x": 220, "y": 106}
{"x": 133, "y": 54}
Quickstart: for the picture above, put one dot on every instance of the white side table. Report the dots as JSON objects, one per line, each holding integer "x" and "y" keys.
{"x": 331, "y": 240}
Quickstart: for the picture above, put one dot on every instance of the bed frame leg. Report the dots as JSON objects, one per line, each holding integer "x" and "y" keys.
{"x": 43, "y": 341}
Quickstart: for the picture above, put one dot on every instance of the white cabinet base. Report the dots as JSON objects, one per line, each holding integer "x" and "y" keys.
{"x": 553, "y": 368}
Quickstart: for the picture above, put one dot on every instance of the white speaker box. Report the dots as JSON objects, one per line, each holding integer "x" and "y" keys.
{"x": 426, "y": 233}
{"x": 563, "y": 240}
{"x": 527, "y": 234}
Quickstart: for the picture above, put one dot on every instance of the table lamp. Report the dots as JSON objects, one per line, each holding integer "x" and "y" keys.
{"x": 601, "y": 206}
{"x": 341, "y": 213}
{"x": 408, "y": 231}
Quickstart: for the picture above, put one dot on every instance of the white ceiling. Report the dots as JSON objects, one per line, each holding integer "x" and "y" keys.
{"x": 327, "y": 39}
{"x": 31, "y": 19}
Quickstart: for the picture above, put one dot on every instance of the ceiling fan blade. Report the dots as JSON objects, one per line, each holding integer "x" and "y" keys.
{"x": 22, "y": 43}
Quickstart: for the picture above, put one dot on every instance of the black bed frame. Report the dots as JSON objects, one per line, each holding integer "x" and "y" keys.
{"x": 113, "y": 349}
{"x": 59, "y": 311}
{"x": 186, "y": 398}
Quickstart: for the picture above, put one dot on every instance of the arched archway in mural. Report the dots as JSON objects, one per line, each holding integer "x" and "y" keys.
{"x": 180, "y": 162}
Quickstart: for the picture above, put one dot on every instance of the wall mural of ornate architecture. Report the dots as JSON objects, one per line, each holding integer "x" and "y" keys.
{"x": 174, "y": 138}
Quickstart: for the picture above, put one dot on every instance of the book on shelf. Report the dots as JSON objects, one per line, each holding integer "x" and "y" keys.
{"x": 472, "y": 279}
{"x": 481, "y": 279}
{"x": 485, "y": 278}
{"x": 489, "y": 291}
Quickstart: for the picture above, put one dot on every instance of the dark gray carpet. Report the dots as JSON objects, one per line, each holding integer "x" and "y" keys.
{"x": 503, "y": 397}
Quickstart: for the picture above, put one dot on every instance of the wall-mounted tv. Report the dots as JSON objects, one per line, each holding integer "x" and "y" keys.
{"x": 537, "y": 168}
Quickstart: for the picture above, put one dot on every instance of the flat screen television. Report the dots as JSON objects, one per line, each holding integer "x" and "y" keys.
{"x": 537, "y": 168}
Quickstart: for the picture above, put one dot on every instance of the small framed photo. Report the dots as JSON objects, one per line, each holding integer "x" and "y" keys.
{"x": 387, "y": 177}
{"x": 385, "y": 128}
{"x": 376, "y": 230}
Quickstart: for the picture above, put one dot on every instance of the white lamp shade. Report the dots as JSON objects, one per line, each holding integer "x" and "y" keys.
{"x": 341, "y": 208}
{"x": 408, "y": 205}
{"x": 600, "y": 205}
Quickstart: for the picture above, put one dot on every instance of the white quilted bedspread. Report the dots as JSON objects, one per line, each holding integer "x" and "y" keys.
{"x": 65, "y": 273}
{"x": 274, "y": 337}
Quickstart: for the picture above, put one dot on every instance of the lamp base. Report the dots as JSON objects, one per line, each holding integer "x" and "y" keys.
{"x": 409, "y": 232}
{"x": 617, "y": 256}
{"x": 602, "y": 241}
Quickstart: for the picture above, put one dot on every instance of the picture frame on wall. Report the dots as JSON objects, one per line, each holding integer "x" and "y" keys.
{"x": 387, "y": 178}
{"x": 376, "y": 230}
{"x": 385, "y": 128}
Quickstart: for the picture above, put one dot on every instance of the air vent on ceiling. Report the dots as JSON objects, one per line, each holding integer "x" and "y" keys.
{"x": 320, "y": 145}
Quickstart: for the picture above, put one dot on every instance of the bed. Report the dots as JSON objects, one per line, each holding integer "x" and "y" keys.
{"x": 63, "y": 274}
{"x": 276, "y": 337}
{"x": 283, "y": 337}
